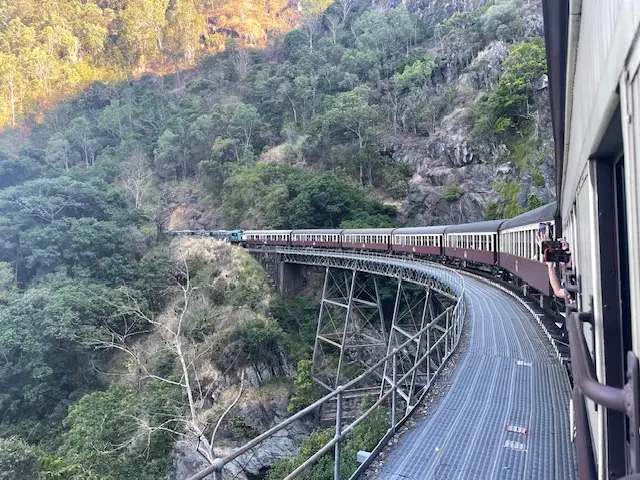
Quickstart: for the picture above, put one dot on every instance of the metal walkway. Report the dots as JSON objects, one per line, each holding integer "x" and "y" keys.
{"x": 506, "y": 415}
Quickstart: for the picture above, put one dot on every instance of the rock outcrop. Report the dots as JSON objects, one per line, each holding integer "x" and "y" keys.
{"x": 456, "y": 173}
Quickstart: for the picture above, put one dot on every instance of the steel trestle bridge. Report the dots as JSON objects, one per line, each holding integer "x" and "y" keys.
{"x": 358, "y": 352}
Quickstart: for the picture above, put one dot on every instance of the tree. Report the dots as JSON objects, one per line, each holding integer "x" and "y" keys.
{"x": 195, "y": 427}
{"x": 245, "y": 123}
{"x": 345, "y": 8}
{"x": 168, "y": 155}
{"x": 185, "y": 28}
{"x": 460, "y": 37}
{"x": 509, "y": 102}
{"x": 144, "y": 23}
{"x": 502, "y": 21}
{"x": 12, "y": 79}
{"x": 417, "y": 74}
{"x": 58, "y": 151}
{"x": 80, "y": 132}
{"x": 137, "y": 177}
{"x": 108, "y": 432}
{"x": 7, "y": 277}
{"x": 18, "y": 461}
{"x": 303, "y": 396}
{"x": 351, "y": 117}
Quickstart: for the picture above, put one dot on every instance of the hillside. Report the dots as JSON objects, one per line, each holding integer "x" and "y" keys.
{"x": 50, "y": 54}
{"x": 446, "y": 121}
{"x": 122, "y": 118}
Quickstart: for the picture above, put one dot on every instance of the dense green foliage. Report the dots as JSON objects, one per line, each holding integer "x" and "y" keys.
{"x": 18, "y": 461}
{"x": 286, "y": 197}
{"x": 507, "y": 106}
{"x": 296, "y": 135}
{"x": 303, "y": 396}
{"x": 49, "y": 53}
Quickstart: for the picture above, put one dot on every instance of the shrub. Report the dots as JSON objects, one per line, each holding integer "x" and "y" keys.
{"x": 18, "y": 460}
{"x": 256, "y": 342}
{"x": 303, "y": 396}
{"x": 452, "y": 193}
{"x": 538, "y": 178}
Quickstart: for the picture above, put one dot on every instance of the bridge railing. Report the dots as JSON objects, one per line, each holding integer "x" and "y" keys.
{"x": 453, "y": 319}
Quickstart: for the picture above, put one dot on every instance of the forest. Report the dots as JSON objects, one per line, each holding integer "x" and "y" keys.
{"x": 260, "y": 114}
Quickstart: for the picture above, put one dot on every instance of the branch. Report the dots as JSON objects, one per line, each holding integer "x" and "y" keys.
{"x": 233, "y": 404}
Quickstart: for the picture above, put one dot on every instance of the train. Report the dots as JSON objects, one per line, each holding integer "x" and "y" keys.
{"x": 505, "y": 248}
{"x": 593, "y": 60}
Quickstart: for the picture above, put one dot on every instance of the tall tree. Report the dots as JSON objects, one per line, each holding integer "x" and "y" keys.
{"x": 144, "y": 23}
{"x": 186, "y": 26}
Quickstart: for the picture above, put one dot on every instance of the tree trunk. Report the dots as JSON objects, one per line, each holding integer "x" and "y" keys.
{"x": 12, "y": 100}
{"x": 85, "y": 148}
{"x": 295, "y": 113}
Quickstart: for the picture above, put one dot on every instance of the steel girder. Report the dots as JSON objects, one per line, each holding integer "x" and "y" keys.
{"x": 432, "y": 275}
{"x": 425, "y": 294}
{"x": 433, "y": 306}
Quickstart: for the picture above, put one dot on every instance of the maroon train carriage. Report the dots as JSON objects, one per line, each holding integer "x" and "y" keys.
{"x": 519, "y": 253}
{"x": 316, "y": 238}
{"x": 266, "y": 237}
{"x": 367, "y": 238}
{"x": 418, "y": 240}
{"x": 473, "y": 242}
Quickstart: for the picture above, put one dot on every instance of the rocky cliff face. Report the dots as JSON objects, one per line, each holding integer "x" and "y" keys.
{"x": 455, "y": 172}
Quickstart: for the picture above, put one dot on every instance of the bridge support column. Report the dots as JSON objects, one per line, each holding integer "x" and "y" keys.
{"x": 416, "y": 308}
{"x": 351, "y": 334}
{"x": 290, "y": 279}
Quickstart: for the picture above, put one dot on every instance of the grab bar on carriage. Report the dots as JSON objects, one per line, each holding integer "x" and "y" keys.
{"x": 625, "y": 400}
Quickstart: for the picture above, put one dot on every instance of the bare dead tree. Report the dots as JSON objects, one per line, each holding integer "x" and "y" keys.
{"x": 194, "y": 425}
{"x": 137, "y": 177}
{"x": 241, "y": 61}
{"x": 44, "y": 206}
{"x": 333, "y": 23}
{"x": 311, "y": 28}
{"x": 346, "y": 6}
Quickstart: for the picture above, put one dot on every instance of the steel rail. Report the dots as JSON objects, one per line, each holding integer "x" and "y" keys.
{"x": 315, "y": 405}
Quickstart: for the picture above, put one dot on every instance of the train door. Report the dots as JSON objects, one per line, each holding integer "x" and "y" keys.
{"x": 630, "y": 101}
{"x": 627, "y": 171}
{"x": 612, "y": 212}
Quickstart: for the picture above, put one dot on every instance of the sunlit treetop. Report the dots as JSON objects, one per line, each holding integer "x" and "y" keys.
{"x": 48, "y": 54}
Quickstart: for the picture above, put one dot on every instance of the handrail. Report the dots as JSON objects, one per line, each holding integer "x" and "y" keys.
{"x": 625, "y": 400}
{"x": 582, "y": 368}
{"x": 456, "y": 311}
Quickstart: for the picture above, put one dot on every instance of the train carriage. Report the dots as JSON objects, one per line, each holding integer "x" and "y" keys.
{"x": 473, "y": 242}
{"x": 418, "y": 240}
{"x": 266, "y": 237}
{"x": 367, "y": 238}
{"x": 316, "y": 238}
{"x": 593, "y": 54}
{"x": 519, "y": 253}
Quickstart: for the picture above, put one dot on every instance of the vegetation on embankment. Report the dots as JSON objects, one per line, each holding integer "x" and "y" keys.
{"x": 110, "y": 376}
